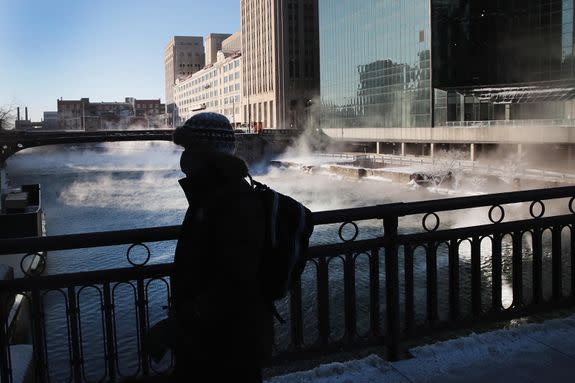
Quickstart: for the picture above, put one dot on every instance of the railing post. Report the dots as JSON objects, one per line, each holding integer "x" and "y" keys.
{"x": 556, "y": 263}
{"x": 572, "y": 261}
{"x": 296, "y": 316}
{"x": 143, "y": 325}
{"x": 454, "y": 280}
{"x": 374, "y": 292}
{"x": 75, "y": 335}
{"x": 409, "y": 289}
{"x": 496, "y": 273}
{"x": 476, "y": 276}
{"x": 110, "y": 343}
{"x": 5, "y": 367}
{"x": 323, "y": 301}
{"x": 349, "y": 294}
{"x": 392, "y": 287}
{"x": 537, "y": 265}
{"x": 517, "y": 269}
{"x": 38, "y": 337}
{"x": 431, "y": 273}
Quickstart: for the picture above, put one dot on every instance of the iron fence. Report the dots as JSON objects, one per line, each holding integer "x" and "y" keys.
{"x": 376, "y": 276}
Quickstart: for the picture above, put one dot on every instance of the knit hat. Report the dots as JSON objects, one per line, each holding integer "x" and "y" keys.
{"x": 206, "y": 132}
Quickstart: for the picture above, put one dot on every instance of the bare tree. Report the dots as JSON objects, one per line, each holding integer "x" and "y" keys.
{"x": 7, "y": 117}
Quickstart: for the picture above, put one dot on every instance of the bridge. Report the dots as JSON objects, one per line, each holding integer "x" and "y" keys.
{"x": 12, "y": 141}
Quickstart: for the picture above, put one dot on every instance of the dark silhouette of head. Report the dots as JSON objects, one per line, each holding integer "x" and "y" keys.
{"x": 206, "y": 132}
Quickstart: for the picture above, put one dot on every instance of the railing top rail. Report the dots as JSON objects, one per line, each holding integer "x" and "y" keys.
{"x": 155, "y": 234}
{"x": 433, "y": 206}
{"x": 86, "y": 240}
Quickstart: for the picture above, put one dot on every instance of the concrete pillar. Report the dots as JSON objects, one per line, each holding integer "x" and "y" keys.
{"x": 472, "y": 151}
{"x": 378, "y": 147}
{"x": 519, "y": 150}
{"x": 507, "y": 112}
{"x": 403, "y": 148}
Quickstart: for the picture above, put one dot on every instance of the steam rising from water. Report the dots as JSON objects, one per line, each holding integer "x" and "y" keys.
{"x": 143, "y": 177}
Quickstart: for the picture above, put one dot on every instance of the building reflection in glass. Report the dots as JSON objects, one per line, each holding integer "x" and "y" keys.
{"x": 375, "y": 63}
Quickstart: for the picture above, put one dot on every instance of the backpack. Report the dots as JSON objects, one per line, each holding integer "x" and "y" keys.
{"x": 289, "y": 225}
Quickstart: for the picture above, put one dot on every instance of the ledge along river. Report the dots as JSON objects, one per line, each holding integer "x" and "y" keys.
{"x": 116, "y": 186}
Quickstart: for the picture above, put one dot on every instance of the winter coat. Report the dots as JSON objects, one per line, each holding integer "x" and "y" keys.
{"x": 217, "y": 298}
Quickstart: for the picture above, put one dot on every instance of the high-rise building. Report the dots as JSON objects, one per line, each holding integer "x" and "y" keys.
{"x": 425, "y": 63}
{"x": 504, "y": 60}
{"x": 183, "y": 56}
{"x": 280, "y": 50}
{"x": 233, "y": 44}
{"x": 213, "y": 43}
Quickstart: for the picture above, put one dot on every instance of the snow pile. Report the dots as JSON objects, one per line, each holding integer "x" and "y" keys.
{"x": 529, "y": 353}
{"x": 369, "y": 369}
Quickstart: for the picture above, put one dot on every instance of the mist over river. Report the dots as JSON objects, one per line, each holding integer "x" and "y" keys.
{"x": 118, "y": 186}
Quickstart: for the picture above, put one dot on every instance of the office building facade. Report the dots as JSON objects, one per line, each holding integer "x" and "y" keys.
{"x": 280, "y": 61}
{"x": 216, "y": 88}
{"x": 213, "y": 42}
{"x": 93, "y": 116}
{"x": 426, "y": 63}
{"x": 183, "y": 56}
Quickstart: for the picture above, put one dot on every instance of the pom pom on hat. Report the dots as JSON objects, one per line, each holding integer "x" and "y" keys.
{"x": 206, "y": 132}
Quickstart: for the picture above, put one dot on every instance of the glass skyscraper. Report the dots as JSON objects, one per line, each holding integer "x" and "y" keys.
{"x": 375, "y": 66}
{"x": 421, "y": 63}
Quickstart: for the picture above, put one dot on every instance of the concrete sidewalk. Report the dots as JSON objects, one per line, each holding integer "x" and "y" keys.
{"x": 529, "y": 353}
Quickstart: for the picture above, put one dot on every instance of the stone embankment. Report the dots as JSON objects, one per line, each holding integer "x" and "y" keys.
{"x": 427, "y": 174}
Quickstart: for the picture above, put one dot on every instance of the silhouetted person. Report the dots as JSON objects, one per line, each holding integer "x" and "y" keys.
{"x": 224, "y": 327}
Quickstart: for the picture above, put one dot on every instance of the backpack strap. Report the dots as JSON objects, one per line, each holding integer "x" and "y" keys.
{"x": 273, "y": 219}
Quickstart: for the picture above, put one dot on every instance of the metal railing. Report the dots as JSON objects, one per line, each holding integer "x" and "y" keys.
{"x": 376, "y": 276}
{"x": 513, "y": 123}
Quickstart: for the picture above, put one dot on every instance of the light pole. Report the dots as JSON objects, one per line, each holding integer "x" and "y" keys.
{"x": 249, "y": 113}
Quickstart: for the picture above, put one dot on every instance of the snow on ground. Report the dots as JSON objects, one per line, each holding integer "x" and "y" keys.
{"x": 528, "y": 353}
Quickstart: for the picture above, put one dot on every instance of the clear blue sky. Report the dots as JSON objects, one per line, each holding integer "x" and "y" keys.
{"x": 102, "y": 49}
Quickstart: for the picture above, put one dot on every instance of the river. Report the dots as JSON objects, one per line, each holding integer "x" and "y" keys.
{"x": 115, "y": 186}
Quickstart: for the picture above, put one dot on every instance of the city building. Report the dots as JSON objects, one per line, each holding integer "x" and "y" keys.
{"x": 213, "y": 43}
{"x": 516, "y": 56}
{"x": 132, "y": 113}
{"x": 183, "y": 56}
{"x": 216, "y": 88}
{"x": 51, "y": 121}
{"x": 443, "y": 63}
{"x": 280, "y": 51}
{"x": 233, "y": 44}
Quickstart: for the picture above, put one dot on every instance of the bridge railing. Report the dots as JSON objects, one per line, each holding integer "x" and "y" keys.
{"x": 376, "y": 276}
{"x": 514, "y": 123}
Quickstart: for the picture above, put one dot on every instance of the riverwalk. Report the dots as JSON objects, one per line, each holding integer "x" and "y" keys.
{"x": 537, "y": 352}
